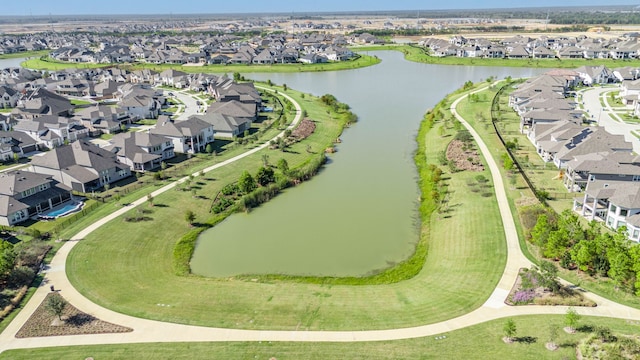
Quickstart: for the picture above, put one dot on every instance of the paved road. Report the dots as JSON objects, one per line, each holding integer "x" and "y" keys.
{"x": 155, "y": 331}
{"x": 190, "y": 106}
{"x": 606, "y": 116}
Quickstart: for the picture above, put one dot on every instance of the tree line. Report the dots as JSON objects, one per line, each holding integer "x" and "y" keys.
{"x": 596, "y": 252}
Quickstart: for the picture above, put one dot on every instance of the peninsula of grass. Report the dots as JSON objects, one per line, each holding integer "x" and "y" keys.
{"x": 47, "y": 63}
{"x": 483, "y": 341}
{"x": 127, "y": 267}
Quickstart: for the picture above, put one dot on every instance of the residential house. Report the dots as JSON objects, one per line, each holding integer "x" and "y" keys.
{"x": 41, "y": 102}
{"x": 8, "y": 97}
{"x": 590, "y": 141}
{"x": 141, "y": 151}
{"x": 226, "y": 126}
{"x": 103, "y": 119}
{"x": 82, "y": 166}
{"x": 16, "y": 142}
{"x": 24, "y": 194}
{"x": 188, "y": 136}
{"x": 592, "y": 75}
{"x": 602, "y": 166}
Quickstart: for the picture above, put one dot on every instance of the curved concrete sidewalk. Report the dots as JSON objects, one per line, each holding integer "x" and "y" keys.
{"x": 155, "y": 331}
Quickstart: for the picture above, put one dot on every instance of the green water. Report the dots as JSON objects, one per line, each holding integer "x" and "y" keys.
{"x": 359, "y": 215}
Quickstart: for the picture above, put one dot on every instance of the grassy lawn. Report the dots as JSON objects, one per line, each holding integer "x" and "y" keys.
{"x": 475, "y": 342}
{"x": 53, "y": 65}
{"x": 6, "y": 110}
{"x": 24, "y": 54}
{"x": 127, "y": 267}
{"x": 78, "y": 102}
{"x": 361, "y": 61}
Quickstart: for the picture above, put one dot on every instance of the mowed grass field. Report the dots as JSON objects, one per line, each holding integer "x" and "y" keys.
{"x": 127, "y": 267}
{"x": 483, "y": 341}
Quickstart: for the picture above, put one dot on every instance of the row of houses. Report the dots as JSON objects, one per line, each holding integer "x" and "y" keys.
{"x": 544, "y": 47}
{"x": 46, "y": 119}
{"x": 269, "y": 49}
{"x": 43, "y": 109}
{"x": 600, "y": 165}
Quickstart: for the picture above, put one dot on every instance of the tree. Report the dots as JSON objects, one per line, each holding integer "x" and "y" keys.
{"x": 284, "y": 87}
{"x": 163, "y": 165}
{"x": 540, "y": 232}
{"x": 283, "y": 165}
{"x": 246, "y": 182}
{"x": 553, "y": 336}
{"x": 571, "y": 319}
{"x": 209, "y": 149}
{"x": 150, "y": 199}
{"x": 56, "y": 305}
{"x": 265, "y": 176}
{"x": 190, "y": 217}
{"x": 509, "y": 329}
{"x": 549, "y": 275}
{"x": 265, "y": 160}
{"x": 7, "y": 258}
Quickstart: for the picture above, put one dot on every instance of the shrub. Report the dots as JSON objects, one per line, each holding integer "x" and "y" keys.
{"x": 523, "y": 297}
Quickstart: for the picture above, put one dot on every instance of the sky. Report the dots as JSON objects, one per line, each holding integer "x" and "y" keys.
{"x": 93, "y": 7}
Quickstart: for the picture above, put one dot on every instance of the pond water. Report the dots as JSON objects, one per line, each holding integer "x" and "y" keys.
{"x": 359, "y": 215}
{"x": 11, "y": 63}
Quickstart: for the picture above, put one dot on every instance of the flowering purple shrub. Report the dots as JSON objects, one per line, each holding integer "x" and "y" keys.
{"x": 523, "y": 297}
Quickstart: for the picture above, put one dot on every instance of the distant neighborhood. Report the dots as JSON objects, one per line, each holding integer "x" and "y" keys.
{"x": 601, "y": 166}
{"x": 62, "y": 113}
{"x": 543, "y": 47}
{"x": 192, "y": 49}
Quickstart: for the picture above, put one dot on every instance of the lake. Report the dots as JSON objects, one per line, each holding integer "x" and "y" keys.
{"x": 360, "y": 214}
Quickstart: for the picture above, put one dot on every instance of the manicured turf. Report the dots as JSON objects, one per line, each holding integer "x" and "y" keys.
{"x": 127, "y": 266}
{"x": 482, "y": 341}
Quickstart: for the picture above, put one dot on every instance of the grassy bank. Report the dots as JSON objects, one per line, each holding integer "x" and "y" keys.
{"x": 482, "y": 341}
{"x": 131, "y": 264}
{"x": 24, "y": 54}
{"x": 358, "y": 62}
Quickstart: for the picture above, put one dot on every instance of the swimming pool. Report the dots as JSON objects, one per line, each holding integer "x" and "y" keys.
{"x": 64, "y": 210}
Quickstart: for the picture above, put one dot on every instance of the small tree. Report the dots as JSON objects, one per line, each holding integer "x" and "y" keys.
{"x": 56, "y": 305}
{"x": 246, "y": 182}
{"x": 285, "y": 87}
{"x": 553, "y": 336}
{"x": 571, "y": 319}
{"x": 283, "y": 165}
{"x": 190, "y": 217}
{"x": 509, "y": 330}
{"x": 150, "y": 199}
{"x": 163, "y": 165}
{"x": 265, "y": 160}
{"x": 209, "y": 149}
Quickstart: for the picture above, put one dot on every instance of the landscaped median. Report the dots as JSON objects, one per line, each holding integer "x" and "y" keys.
{"x": 129, "y": 267}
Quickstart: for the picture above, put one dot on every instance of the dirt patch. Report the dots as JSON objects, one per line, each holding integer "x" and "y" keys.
{"x": 304, "y": 129}
{"x": 464, "y": 157}
{"x": 74, "y": 322}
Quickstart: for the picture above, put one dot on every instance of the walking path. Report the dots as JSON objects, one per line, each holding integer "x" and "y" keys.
{"x": 155, "y": 331}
